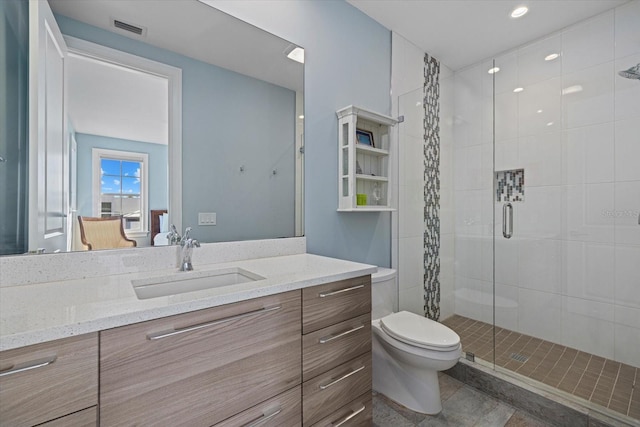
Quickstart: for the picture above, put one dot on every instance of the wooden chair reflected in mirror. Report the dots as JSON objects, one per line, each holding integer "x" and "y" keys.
{"x": 103, "y": 233}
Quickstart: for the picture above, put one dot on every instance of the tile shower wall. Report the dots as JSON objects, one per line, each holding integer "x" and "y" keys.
{"x": 407, "y": 79}
{"x": 447, "y": 299}
{"x": 408, "y": 223}
{"x": 570, "y": 274}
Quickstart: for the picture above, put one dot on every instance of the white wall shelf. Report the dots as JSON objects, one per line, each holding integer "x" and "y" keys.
{"x": 367, "y": 209}
{"x": 372, "y": 178}
{"x": 364, "y": 169}
{"x": 371, "y": 151}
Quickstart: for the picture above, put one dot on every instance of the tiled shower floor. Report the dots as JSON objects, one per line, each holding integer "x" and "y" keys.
{"x": 602, "y": 381}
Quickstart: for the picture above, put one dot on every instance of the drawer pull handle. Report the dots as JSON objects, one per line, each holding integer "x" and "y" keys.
{"x": 351, "y": 416}
{"x": 28, "y": 366}
{"x": 329, "y": 294}
{"x": 159, "y": 335}
{"x": 345, "y": 376}
{"x": 266, "y": 415}
{"x": 330, "y": 338}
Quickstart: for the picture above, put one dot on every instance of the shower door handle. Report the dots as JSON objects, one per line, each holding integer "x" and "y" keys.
{"x": 507, "y": 219}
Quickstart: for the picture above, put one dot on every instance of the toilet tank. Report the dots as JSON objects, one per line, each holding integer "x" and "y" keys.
{"x": 384, "y": 293}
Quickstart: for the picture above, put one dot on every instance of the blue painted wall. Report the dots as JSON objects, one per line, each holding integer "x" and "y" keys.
{"x": 347, "y": 61}
{"x": 157, "y": 168}
{"x": 216, "y": 138}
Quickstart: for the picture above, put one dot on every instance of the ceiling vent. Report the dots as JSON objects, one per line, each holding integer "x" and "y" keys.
{"x": 130, "y": 28}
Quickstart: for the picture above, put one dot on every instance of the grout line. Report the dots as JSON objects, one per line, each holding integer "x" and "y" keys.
{"x": 555, "y": 364}
{"x": 522, "y": 346}
{"x": 465, "y": 325}
{"x": 595, "y": 387}
{"x": 489, "y": 331}
{"x": 634, "y": 390}
{"x": 499, "y": 345}
{"x": 533, "y": 353}
{"x": 570, "y": 365}
{"x": 543, "y": 357}
{"x": 583, "y": 372}
{"x": 613, "y": 389}
{"x": 517, "y": 336}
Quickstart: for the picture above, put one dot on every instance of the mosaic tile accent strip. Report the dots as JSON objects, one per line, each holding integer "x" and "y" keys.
{"x": 510, "y": 186}
{"x": 431, "y": 123}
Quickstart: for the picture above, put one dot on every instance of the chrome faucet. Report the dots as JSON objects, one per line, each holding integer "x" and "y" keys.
{"x": 187, "y": 245}
{"x": 173, "y": 236}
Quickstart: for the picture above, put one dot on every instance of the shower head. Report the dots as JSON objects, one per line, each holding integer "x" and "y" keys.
{"x": 631, "y": 73}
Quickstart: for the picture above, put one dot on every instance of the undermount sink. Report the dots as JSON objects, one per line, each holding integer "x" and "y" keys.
{"x": 190, "y": 281}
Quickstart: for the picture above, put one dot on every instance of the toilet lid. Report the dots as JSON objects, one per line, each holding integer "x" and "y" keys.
{"x": 419, "y": 331}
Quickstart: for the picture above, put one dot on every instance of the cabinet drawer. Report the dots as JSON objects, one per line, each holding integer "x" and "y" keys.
{"x": 282, "y": 410}
{"x": 200, "y": 368}
{"x": 334, "y": 302}
{"x": 84, "y": 418}
{"x": 326, "y": 393}
{"x": 329, "y": 347}
{"x": 63, "y": 379}
{"x": 358, "y": 413}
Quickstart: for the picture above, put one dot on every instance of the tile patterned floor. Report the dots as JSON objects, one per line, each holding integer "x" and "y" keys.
{"x": 602, "y": 381}
{"x": 462, "y": 406}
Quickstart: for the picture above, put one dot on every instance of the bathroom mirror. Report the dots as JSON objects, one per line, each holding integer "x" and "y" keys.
{"x": 242, "y": 124}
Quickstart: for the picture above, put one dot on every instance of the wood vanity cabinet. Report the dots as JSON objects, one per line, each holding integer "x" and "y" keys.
{"x": 280, "y": 411}
{"x": 285, "y": 360}
{"x": 85, "y": 418}
{"x": 336, "y": 354}
{"x": 47, "y": 381}
{"x": 200, "y": 368}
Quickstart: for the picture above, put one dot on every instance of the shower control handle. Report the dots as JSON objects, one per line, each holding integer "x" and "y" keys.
{"x": 507, "y": 220}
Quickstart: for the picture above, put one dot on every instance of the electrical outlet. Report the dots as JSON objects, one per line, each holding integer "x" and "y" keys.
{"x": 206, "y": 218}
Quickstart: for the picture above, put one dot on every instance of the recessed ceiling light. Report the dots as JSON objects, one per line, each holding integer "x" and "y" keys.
{"x": 551, "y": 57}
{"x": 518, "y": 89}
{"x": 572, "y": 89}
{"x": 550, "y": 124}
{"x": 493, "y": 70}
{"x": 301, "y": 116}
{"x": 519, "y": 11}
{"x": 539, "y": 111}
{"x": 295, "y": 53}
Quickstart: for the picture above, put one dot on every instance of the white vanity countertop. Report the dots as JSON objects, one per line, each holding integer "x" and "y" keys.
{"x": 34, "y": 313}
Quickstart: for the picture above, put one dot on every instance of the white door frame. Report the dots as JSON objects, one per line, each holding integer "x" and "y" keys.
{"x": 174, "y": 78}
{"x": 47, "y": 135}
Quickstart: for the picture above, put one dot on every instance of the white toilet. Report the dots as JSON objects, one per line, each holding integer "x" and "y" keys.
{"x": 408, "y": 349}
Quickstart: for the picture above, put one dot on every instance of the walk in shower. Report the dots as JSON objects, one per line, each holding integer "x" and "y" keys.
{"x": 538, "y": 209}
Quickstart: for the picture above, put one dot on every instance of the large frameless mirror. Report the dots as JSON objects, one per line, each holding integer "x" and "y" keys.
{"x": 166, "y": 111}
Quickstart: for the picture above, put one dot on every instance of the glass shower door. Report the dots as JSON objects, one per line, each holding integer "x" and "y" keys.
{"x": 546, "y": 208}
{"x": 566, "y": 234}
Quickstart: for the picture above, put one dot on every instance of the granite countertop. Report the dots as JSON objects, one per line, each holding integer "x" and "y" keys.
{"x": 35, "y": 313}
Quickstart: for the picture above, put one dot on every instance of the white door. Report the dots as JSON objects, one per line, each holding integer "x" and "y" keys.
{"x": 48, "y": 150}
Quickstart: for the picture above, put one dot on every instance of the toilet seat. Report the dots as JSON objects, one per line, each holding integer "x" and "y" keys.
{"x": 418, "y": 331}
